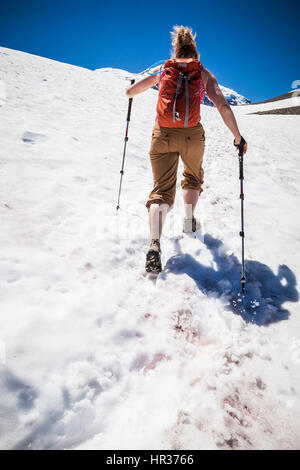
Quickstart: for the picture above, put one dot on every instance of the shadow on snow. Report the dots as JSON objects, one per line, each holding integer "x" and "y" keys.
{"x": 266, "y": 292}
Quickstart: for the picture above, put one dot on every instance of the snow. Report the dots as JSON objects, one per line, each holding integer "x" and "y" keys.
{"x": 294, "y": 100}
{"x": 93, "y": 354}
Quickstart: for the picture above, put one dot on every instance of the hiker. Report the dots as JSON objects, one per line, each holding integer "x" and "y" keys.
{"x": 182, "y": 82}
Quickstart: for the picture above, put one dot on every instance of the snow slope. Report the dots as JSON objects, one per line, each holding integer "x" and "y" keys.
{"x": 293, "y": 100}
{"x": 95, "y": 355}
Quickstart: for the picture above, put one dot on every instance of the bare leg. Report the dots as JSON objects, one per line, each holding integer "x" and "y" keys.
{"x": 190, "y": 199}
{"x": 157, "y": 217}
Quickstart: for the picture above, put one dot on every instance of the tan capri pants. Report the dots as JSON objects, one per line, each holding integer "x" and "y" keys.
{"x": 166, "y": 146}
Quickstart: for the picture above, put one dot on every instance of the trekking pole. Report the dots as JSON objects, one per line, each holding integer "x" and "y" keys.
{"x": 242, "y": 197}
{"x": 125, "y": 144}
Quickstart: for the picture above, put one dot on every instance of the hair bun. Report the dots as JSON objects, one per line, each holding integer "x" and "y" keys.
{"x": 183, "y": 40}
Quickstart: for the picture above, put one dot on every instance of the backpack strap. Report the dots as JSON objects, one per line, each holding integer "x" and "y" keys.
{"x": 176, "y": 117}
{"x": 187, "y": 110}
{"x": 179, "y": 82}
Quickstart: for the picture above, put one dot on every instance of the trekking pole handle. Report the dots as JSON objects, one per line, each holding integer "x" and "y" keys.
{"x": 240, "y": 146}
{"x": 130, "y": 102}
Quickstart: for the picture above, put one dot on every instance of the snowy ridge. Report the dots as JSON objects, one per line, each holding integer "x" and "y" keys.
{"x": 294, "y": 100}
{"x": 233, "y": 98}
{"x": 92, "y": 347}
{"x": 117, "y": 74}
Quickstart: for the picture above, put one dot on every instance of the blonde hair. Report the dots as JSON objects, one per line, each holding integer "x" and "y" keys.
{"x": 183, "y": 42}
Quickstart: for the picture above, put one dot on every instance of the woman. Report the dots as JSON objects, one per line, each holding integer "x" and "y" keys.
{"x": 178, "y": 131}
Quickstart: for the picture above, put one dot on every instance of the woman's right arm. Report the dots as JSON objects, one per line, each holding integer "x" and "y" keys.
{"x": 215, "y": 94}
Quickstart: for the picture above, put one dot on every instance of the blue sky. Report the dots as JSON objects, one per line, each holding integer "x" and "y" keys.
{"x": 251, "y": 46}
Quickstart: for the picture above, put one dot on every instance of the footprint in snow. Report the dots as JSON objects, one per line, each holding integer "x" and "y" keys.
{"x": 34, "y": 138}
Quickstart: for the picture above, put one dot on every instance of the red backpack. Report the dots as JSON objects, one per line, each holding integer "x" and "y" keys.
{"x": 181, "y": 91}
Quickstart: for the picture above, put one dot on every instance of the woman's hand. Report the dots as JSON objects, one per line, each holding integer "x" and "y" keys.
{"x": 237, "y": 141}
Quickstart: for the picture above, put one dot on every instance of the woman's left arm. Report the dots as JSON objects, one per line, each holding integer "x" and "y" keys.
{"x": 143, "y": 84}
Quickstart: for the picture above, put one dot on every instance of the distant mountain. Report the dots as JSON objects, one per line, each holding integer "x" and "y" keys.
{"x": 233, "y": 98}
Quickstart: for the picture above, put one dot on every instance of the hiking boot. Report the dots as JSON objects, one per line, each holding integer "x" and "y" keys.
{"x": 191, "y": 225}
{"x": 153, "y": 258}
